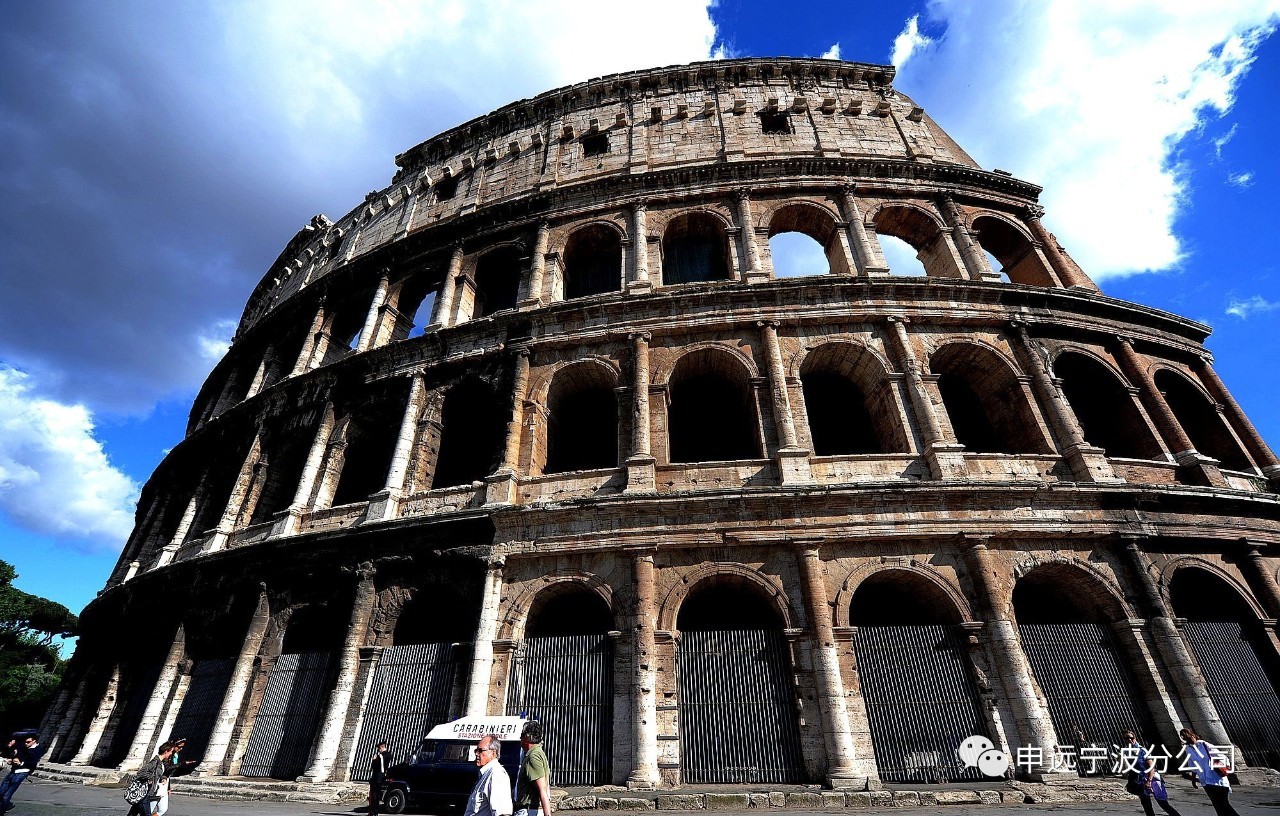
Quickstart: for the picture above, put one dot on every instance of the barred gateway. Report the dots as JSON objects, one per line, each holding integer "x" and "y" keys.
{"x": 543, "y": 426}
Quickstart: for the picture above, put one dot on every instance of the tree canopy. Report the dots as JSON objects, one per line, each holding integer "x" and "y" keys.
{"x": 30, "y": 665}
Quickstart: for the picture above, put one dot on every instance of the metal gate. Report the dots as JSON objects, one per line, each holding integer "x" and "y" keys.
{"x": 737, "y": 708}
{"x": 408, "y": 694}
{"x": 131, "y": 703}
{"x": 921, "y": 701}
{"x": 1089, "y": 689}
{"x": 567, "y": 683}
{"x": 1234, "y": 669}
{"x": 200, "y": 706}
{"x": 289, "y": 717}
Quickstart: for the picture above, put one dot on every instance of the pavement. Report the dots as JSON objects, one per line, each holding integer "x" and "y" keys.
{"x": 45, "y": 797}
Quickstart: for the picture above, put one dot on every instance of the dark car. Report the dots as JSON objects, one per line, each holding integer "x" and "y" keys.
{"x": 441, "y": 774}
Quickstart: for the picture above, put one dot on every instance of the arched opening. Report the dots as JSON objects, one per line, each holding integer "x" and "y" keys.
{"x": 472, "y": 434}
{"x": 711, "y": 415}
{"x": 1105, "y": 409}
{"x": 225, "y": 456}
{"x": 1063, "y": 621}
{"x": 848, "y": 402}
{"x": 280, "y": 468}
{"x": 902, "y": 258}
{"x": 563, "y": 676}
{"x": 922, "y": 235}
{"x": 371, "y": 437}
{"x": 803, "y": 240}
{"x": 343, "y": 325}
{"x": 737, "y": 713}
{"x": 592, "y": 262}
{"x": 582, "y": 420}
{"x": 415, "y": 305}
{"x": 1236, "y": 659}
{"x": 139, "y": 672}
{"x": 497, "y": 280}
{"x": 985, "y": 402}
{"x": 916, "y": 678}
{"x": 1016, "y": 255}
{"x": 695, "y": 249}
{"x": 1201, "y": 421}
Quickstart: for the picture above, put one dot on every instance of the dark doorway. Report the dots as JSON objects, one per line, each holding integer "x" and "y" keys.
{"x": 694, "y": 250}
{"x": 474, "y": 424}
{"x": 1105, "y": 409}
{"x": 592, "y": 262}
{"x": 497, "y": 280}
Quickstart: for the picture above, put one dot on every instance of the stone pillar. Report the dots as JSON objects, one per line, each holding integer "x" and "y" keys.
{"x": 369, "y": 331}
{"x": 793, "y": 460}
{"x": 975, "y": 261}
{"x": 385, "y": 505}
{"x": 289, "y": 523}
{"x": 837, "y": 731}
{"x": 750, "y": 253}
{"x": 537, "y": 269}
{"x": 67, "y": 719}
{"x": 140, "y": 750}
{"x": 240, "y": 493}
{"x": 500, "y": 488}
{"x": 215, "y": 755}
{"x": 640, "y": 282}
{"x": 101, "y": 716}
{"x": 641, "y": 465}
{"x": 1087, "y": 463}
{"x": 869, "y": 261}
{"x": 184, "y": 525}
{"x": 1262, "y": 454}
{"x": 1065, "y": 271}
{"x": 1177, "y": 658}
{"x": 303, "y": 363}
{"x": 644, "y": 681}
{"x": 335, "y": 716}
{"x": 945, "y": 458}
{"x": 1031, "y": 720}
{"x": 486, "y": 631}
{"x": 1260, "y": 578}
{"x": 448, "y": 290}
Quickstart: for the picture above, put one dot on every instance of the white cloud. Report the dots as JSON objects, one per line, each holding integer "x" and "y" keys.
{"x": 908, "y": 42}
{"x": 1091, "y": 100}
{"x": 55, "y": 477}
{"x": 1248, "y": 307}
{"x": 1223, "y": 140}
{"x": 215, "y": 341}
{"x": 831, "y": 53}
{"x": 1244, "y": 179}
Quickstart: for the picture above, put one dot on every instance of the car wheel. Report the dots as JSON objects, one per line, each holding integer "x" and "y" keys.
{"x": 395, "y": 801}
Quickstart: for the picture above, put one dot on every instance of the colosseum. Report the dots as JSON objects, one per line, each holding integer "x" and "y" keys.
{"x": 541, "y": 427}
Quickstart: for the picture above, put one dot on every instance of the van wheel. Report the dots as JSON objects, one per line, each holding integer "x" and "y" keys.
{"x": 395, "y": 801}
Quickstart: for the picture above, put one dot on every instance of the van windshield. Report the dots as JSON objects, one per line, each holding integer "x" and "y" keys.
{"x": 457, "y": 752}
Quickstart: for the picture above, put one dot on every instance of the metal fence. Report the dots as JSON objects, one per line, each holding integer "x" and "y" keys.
{"x": 1235, "y": 668}
{"x": 289, "y": 716}
{"x": 200, "y": 706}
{"x": 567, "y": 683}
{"x": 408, "y": 694}
{"x": 921, "y": 701}
{"x": 737, "y": 708}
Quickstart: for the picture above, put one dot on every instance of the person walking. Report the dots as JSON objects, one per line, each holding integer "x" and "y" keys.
{"x": 377, "y": 776}
{"x": 27, "y": 756}
{"x": 174, "y": 766}
{"x": 533, "y": 779}
{"x": 1210, "y": 767}
{"x": 1144, "y": 779}
{"x": 153, "y": 774}
{"x": 491, "y": 795}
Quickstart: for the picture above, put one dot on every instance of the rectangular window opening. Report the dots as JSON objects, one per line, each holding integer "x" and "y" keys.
{"x": 775, "y": 122}
{"x": 595, "y": 144}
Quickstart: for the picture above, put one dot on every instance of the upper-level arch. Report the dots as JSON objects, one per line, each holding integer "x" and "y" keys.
{"x": 1011, "y": 245}
{"x": 712, "y": 414}
{"x": 695, "y": 248}
{"x": 1199, "y": 417}
{"x": 849, "y": 401}
{"x": 985, "y": 401}
{"x": 592, "y": 259}
{"x": 814, "y": 221}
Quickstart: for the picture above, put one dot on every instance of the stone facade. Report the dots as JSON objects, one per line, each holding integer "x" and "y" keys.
{"x": 547, "y": 384}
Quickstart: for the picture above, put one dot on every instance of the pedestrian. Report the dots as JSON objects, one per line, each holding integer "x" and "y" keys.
{"x": 174, "y": 766}
{"x": 377, "y": 776}
{"x": 1210, "y": 767}
{"x": 532, "y": 781}
{"x": 492, "y": 794}
{"x": 26, "y": 757}
{"x": 1144, "y": 780}
{"x": 152, "y": 773}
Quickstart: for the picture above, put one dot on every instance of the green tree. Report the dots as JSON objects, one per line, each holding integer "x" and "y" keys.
{"x": 30, "y": 665}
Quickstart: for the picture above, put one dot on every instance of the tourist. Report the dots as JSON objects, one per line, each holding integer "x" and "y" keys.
{"x": 27, "y": 756}
{"x": 532, "y": 786}
{"x": 153, "y": 774}
{"x": 1210, "y": 767}
{"x": 377, "y": 776}
{"x": 1144, "y": 780}
{"x": 492, "y": 794}
{"x": 174, "y": 766}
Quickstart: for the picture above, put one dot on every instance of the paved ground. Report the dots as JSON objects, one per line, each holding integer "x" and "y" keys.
{"x": 46, "y": 798}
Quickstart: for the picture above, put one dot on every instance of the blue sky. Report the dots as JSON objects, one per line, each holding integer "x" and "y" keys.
{"x": 155, "y": 158}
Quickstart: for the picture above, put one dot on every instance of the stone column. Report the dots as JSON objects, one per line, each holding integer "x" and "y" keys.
{"x": 303, "y": 363}
{"x": 1262, "y": 454}
{"x": 975, "y": 261}
{"x": 369, "y": 331}
{"x": 537, "y": 269}
{"x": 67, "y": 719}
{"x": 1260, "y": 578}
{"x": 945, "y": 458}
{"x": 169, "y": 550}
{"x": 793, "y": 460}
{"x": 240, "y": 493}
{"x": 486, "y": 631}
{"x": 448, "y": 290}
{"x": 1064, "y": 270}
{"x": 140, "y": 749}
{"x": 640, "y": 282}
{"x": 1031, "y": 720}
{"x": 751, "y": 255}
{"x": 837, "y": 731}
{"x": 500, "y": 488}
{"x": 644, "y": 681}
{"x": 641, "y": 465}
{"x": 385, "y": 505}
{"x": 335, "y": 716}
{"x": 289, "y": 523}
{"x": 1173, "y": 651}
{"x": 101, "y": 716}
{"x": 869, "y": 261}
{"x": 1087, "y": 463}
{"x": 215, "y": 755}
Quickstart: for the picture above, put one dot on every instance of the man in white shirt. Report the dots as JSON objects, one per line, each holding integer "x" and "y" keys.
{"x": 492, "y": 794}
